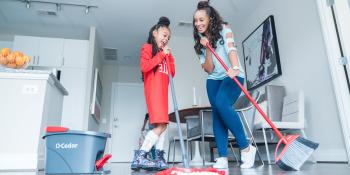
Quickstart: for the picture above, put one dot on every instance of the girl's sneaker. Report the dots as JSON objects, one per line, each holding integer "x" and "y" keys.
{"x": 160, "y": 161}
{"x": 141, "y": 161}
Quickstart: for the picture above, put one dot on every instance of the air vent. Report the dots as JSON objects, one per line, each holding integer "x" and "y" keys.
{"x": 110, "y": 54}
{"x": 184, "y": 24}
{"x": 46, "y": 13}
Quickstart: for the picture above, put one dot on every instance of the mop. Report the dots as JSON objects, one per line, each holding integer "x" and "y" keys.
{"x": 186, "y": 170}
{"x": 296, "y": 150}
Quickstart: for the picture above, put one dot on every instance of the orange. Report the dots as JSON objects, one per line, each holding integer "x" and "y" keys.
{"x": 11, "y": 65}
{"x": 3, "y": 60}
{"x": 20, "y": 61}
{"x": 11, "y": 58}
{"x": 5, "y": 51}
{"x": 17, "y": 53}
{"x": 27, "y": 58}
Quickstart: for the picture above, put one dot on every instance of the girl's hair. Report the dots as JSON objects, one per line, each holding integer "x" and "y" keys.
{"x": 162, "y": 22}
{"x": 214, "y": 27}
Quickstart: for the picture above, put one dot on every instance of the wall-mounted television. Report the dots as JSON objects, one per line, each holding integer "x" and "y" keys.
{"x": 95, "y": 108}
{"x": 261, "y": 57}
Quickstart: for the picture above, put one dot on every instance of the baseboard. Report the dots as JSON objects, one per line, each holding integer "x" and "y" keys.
{"x": 18, "y": 161}
{"x": 331, "y": 155}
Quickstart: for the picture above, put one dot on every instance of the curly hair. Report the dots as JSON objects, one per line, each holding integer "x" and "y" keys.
{"x": 214, "y": 28}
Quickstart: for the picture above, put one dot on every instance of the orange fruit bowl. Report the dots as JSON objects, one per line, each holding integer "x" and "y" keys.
{"x": 15, "y": 60}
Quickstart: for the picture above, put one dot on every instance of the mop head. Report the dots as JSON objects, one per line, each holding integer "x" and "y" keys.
{"x": 295, "y": 153}
{"x": 190, "y": 171}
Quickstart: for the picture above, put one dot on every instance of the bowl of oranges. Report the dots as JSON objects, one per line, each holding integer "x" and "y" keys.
{"x": 15, "y": 60}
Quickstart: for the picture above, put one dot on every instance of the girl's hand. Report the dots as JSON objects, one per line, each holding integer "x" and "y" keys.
{"x": 204, "y": 41}
{"x": 232, "y": 72}
{"x": 166, "y": 50}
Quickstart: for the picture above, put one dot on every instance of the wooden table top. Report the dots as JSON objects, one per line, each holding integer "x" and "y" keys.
{"x": 187, "y": 112}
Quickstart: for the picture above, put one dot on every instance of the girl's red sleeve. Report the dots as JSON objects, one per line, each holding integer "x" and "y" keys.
{"x": 147, "y": 62}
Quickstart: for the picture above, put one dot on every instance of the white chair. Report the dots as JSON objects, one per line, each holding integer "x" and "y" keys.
{"x": 202, "y": 128}
{"x": 174, "y": 138}
{"x": 293, "y": 118}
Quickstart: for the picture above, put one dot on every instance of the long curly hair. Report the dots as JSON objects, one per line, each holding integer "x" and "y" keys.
{"x": 214, "y": 27}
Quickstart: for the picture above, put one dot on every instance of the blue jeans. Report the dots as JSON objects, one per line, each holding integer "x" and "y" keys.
{"x": 222, "y": 95}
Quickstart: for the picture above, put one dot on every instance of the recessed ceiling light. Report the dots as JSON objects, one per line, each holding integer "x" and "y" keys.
{"x": 184, "y": 24}
{"x": 59, "y": 7}
{"x": 28, "y": 4}
{"x": 87, "y": 9}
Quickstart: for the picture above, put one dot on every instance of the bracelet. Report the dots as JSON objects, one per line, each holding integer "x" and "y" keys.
{"x": 235, "y": 68}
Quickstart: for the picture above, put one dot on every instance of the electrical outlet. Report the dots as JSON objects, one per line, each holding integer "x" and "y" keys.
{"x": 30, "y": 89}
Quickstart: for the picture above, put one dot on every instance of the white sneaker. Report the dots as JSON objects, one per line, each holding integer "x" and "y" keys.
{"x": 221, "y": 163}
{"x": 248, "y": 158}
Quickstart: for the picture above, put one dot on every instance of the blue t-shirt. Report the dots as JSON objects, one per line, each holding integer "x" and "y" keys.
{"x": 222, "y": 50}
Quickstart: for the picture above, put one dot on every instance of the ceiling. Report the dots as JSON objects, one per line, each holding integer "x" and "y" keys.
{"x": 120, "y": 24}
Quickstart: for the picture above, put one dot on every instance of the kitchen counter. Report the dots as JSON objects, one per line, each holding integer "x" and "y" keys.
{"x": 30, "y": 101}
{"x": 7, "y": 73}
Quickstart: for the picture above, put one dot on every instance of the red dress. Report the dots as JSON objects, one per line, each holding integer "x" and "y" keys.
{"x": 156, "y": 82}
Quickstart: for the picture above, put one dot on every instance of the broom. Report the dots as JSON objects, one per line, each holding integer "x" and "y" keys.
{"x": 296, "y": 150}
{"x": 186, "y": 169}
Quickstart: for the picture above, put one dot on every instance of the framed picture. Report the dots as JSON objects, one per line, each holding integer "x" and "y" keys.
{"x": 261, "y": 57}
{"x": 95, "y": 109}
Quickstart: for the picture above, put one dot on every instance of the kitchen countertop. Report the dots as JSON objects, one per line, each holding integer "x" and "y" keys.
{"x": 32, "y": 74}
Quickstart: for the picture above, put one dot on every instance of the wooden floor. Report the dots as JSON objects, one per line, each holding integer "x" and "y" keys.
{"x": 307, "y": 169}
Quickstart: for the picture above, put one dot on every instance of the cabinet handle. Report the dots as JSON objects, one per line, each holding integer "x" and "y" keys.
{"x": 33, "y": 61}
{"x": 38, "y": 60}
{"x": 63, "y": 61}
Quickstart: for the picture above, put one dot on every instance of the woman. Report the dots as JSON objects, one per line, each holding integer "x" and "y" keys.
{"x": 156, "y": 64}
{"x": 221, "y": 89}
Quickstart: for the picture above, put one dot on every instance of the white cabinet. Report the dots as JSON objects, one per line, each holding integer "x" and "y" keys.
{"x": 43, "y": 51}
{"x": 50, "y": 52}
{"x": 71, "y": 57}
{"x": 74, "y": 80}
{"x": 30, "y": 101}
{"x": 28, "y": 45}
{"x": 75, "y": 53}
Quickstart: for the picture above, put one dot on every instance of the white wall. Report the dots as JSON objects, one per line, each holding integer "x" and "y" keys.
{"x": 110, "y": 74}
{"x": 6, "y": 41}
{"x": 189, "y": 74}
{"x": 7, "y": 44}
{"x": 304, "y": 66}
{"x": 94, "y": 61}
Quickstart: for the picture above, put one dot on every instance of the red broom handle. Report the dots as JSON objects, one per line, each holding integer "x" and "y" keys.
{"x": 249, "y": 97}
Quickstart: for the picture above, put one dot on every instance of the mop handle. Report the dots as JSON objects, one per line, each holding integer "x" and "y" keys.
{"x": 249, "y": 97}
{"x": 176, "y": 110}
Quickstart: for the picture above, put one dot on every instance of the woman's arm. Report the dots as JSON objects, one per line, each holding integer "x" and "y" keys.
{"x": 231, "y": 51}
{"x": 208, "y": 65}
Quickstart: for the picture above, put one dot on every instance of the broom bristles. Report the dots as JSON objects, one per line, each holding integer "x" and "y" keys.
{"x": 190, "y": 171}
{"x": 296, "y": 154}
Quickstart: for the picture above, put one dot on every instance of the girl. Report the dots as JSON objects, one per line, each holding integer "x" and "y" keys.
{"x": 156, "y": 58}
{"x": 222, "y": 91}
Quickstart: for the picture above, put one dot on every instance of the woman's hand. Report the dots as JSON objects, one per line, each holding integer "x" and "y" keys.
{"x": 166, "y": 50}
{"x": 232, "y": 72}
{"x": 204, "y": 41}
